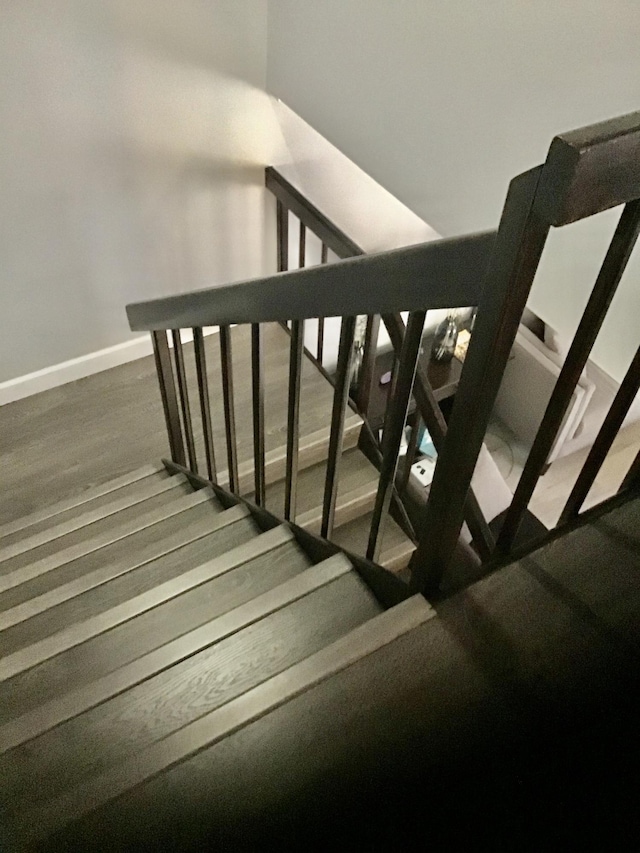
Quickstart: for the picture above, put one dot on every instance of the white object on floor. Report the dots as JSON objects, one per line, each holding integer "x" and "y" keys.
{"x": 422, "y": 472}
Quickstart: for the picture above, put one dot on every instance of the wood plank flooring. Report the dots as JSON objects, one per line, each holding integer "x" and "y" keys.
{"x": 57, "y": 443}
{"x": 554, "y": 487}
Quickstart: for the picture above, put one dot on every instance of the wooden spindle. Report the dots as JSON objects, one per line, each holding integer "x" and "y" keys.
{"x": 205, "y": 408}
{"x": 340, "y": 401}
{"x": 257, "y": 392}
{"x": 293, "y": 418}
{"x": 183, "y": 391}
{"x": 168, "y": 395}
{"x": 226, "y": 365}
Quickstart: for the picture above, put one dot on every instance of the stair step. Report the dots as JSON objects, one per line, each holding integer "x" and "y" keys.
{"x": 40, "y": 818}
{"x": 396, "y": 549}
{"x": 357, "y": 487}
{"x": 18, "y": 620}
{"x": 114, "y": 584}
{"x": 155, "y": 618}
{"x": 311, "y": 451}
{"x": 145, "y": 527}
{"x": 149, "y": 495}
{"x": 91, "y": 497}
{"x": 75, "y": 702}
{"x": 221, "y": 661}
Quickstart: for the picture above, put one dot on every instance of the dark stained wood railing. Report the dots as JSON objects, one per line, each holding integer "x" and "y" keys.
{"x": 365, "y": 285}
{"x": 585, "y": 172}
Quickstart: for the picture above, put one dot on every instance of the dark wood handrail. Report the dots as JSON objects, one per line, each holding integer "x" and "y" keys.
{"x": 590, "y": 170}
{"x": 311, "y": 217}
{"x": 439, "y": 274}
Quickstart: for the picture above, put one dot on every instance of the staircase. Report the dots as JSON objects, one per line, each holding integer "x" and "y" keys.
{"x": 145, "y": 609}
{"x": 173, "y": 674}
{"x": 223, "y": 653}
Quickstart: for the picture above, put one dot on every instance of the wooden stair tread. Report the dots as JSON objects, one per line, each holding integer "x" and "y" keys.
{"x": 396, "y": 549}
{"x": 91, "y": 498}
{"x": 96, "y": 691}
{"x": 33, "y": 623}
{"x": 251, "y": 705}
{"x": 104, "y": 571}
{"x": 207, "y": 679}
{"x": 186, "y": 518}
{"x": 178, "y": 607}
{"x": 93, "y": 522}
{"x": 312, "y": 450}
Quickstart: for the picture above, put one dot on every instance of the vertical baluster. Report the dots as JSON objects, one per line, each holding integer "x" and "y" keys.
{"x": 293, "y": 418}
{"x": 367, "y": 369}
{"x": 293, "y": 408}
{"x": 168, "y": 395}
{"x": 412, "y": 448}
{"x": 282, "y": 224}
{"x": 605, "y": 438}
{"x": 226, "y": 364}
{"x": 178, "y": 354}
{"x": 608, "y": 279}
{"x": 257, "y": 390}
{"x": 395, "y": 418}
{"x": 632, "y": 478}
{"x": 302, "y": 251}
{"x": 320, "y": 347}
{"x": 340, "y": 399}
{"x": 205, "y": 409}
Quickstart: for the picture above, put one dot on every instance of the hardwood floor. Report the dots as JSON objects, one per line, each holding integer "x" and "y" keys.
{"x": 60, "y": 442}
{"x": 554, "y": 487}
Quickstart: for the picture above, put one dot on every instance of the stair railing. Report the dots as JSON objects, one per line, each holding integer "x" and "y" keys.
{"x": 443, "y": 274}
{"x": 586, "y": 172}
{"x": 293, "y": 208}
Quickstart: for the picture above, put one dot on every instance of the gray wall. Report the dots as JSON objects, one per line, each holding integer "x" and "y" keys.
{"x": 443, "y": 102}
{"x": 134, "y": 137}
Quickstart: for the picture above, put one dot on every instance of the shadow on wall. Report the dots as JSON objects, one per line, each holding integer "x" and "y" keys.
{"x": 134, "y": 140}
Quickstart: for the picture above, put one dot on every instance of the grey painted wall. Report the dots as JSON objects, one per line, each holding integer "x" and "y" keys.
{"x": 444, "y": 102}
{"x": 134, "y": 138}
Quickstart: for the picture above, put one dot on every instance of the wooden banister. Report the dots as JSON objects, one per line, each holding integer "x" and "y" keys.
{"x": 441, "y": 274}
{"x": 586, "y": 171}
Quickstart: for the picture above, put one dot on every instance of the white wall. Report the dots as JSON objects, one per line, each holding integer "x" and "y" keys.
{"x": 352, "y": 200}
{"x": 444, "y": 102}
{"x": 134, "y": 139}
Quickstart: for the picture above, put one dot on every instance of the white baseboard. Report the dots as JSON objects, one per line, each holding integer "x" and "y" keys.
{"x": 79, "y": 368}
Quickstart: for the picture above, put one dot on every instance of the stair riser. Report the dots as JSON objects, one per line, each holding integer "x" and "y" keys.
{"x": 313, "y": 450}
